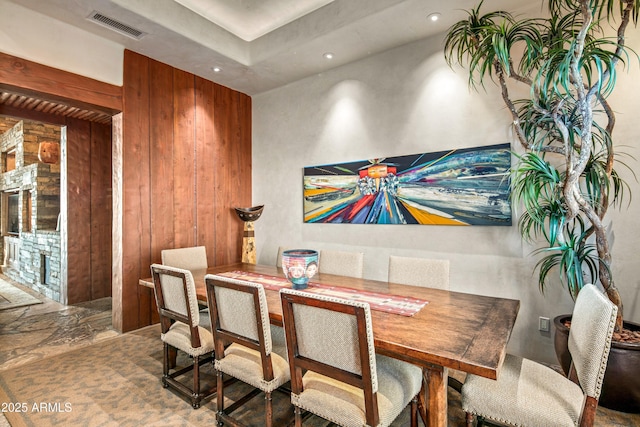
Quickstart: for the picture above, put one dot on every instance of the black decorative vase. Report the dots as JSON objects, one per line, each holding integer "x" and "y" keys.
{"x": 621, "y": 384}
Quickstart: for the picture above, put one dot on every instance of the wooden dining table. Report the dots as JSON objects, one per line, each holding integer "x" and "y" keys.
{"x": 454, "y": 330}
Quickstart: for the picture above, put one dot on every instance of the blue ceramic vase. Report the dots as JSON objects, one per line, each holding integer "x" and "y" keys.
{"x": 299, "y": 266}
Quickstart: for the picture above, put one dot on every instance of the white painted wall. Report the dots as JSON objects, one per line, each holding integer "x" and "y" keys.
{"x": 406, "y": 101}
{"x": 39, "y": 38}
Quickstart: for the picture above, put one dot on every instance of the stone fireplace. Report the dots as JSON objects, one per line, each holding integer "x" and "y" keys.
{"x": 30, "y": 207}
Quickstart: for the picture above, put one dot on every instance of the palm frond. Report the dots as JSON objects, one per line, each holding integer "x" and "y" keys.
{"x": 470, "y": 42}
{"x": 575, "y": 260}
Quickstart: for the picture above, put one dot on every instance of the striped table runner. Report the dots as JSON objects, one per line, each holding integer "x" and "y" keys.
{"x": 395, "y": 304}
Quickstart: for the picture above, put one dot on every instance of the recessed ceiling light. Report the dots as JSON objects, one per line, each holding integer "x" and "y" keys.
{"x": 216, "y": 69}
{"x": 328, "y": 55}
{"x": 433, "y": 17}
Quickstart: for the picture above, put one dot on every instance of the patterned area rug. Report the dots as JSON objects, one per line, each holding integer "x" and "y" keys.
{"x": 117, "y": 383}
{"x": 112, "y": 383}
{"x": 12, "y": 297}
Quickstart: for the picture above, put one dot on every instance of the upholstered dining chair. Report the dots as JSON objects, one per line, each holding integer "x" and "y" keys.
{"x": 341, "y": 263}
{"x": 335, "y": 372}
{"x": 191, "y": 258}
{"x": 423, "y": 272}
{"x": 429, "y": 273}
{"x": 530, "y": 394}
{"x": 181, "y": 329}
{"x": 243, "y": 342}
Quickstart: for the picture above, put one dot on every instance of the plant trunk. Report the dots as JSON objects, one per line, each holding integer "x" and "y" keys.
{"x": 604, "y": 255}
{"x": 614, "y": 296}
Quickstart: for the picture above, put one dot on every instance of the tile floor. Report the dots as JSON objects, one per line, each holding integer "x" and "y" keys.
{"x": 41, "y": 330}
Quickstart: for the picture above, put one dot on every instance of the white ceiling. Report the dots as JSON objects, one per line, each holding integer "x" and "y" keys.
{"x": 251, "y": 19}
{"x": 263, "y": 44}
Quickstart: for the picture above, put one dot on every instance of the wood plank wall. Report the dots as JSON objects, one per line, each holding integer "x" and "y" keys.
{"x": 186, "y": 162}
{"x": 101, "y": 210}
{"x": 89, "y": 210}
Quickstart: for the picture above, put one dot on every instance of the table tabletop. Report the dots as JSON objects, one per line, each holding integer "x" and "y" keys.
{"x": 454, "y": 330}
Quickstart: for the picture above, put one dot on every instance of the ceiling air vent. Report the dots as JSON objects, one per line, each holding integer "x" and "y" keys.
{"x": 115, "y": 25}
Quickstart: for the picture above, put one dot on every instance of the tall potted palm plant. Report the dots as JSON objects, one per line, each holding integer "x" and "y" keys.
{"x": 565, "y": 177}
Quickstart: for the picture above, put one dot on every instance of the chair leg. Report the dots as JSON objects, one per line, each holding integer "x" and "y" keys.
{"x": 220, "y": 397}
{"x": 172, "y": 357}
{"x": 165, "y": 365}
{"x": 414, "y": 411}
{"x": 469, "y": 419}
{"x": 165, "y": 359}
{"x": 268, "y": 409}
{"x": 195, "y": 399}
{"x": 298, "y": 416}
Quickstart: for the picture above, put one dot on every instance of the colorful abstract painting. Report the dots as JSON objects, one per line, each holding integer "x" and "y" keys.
{"x": 458, "y": 187}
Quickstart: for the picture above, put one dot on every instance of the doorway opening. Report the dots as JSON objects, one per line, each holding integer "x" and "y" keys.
{"x": 30, "y": 204}
{"x": 56, "y": 207}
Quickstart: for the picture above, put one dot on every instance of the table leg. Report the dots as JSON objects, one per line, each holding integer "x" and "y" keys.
{"x": 432, "y": 402}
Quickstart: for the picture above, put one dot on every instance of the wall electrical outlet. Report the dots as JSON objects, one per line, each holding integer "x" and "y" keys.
{"x": 543, "y": 324}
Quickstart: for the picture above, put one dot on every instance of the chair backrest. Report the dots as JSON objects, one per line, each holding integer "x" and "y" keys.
{"x": 592, "y": 325}
{"x": 193, "y": 258}
{"x": 428, "y": 273}
{"x": 239, "y": 314}
{"x": 176, "y": 298}
{"x": 341, "y": 263}
{"x": 334, "y": 338}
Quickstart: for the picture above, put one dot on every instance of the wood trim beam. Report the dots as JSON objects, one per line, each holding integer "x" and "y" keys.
{"x": 27, "y": 78}
{"x": 37, "y": 116}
